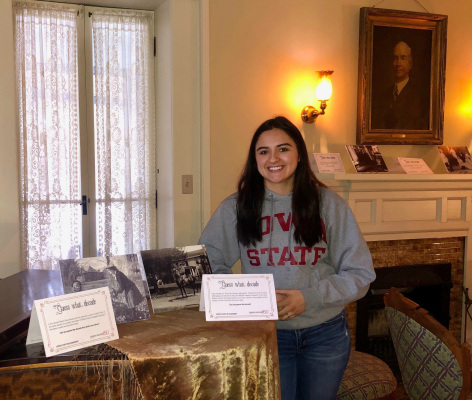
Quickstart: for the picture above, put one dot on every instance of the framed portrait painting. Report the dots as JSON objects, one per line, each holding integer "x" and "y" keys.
{"x": 402, "y": 67}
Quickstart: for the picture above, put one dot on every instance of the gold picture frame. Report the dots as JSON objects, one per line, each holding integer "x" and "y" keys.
{"x": 401, "y": 46}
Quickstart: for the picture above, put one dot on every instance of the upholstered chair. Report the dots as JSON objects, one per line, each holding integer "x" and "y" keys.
{"x": 433, "y": 365}
{"x": 367, "y": 378}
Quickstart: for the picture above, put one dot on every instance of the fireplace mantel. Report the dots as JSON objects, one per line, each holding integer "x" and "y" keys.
{"x": 393, "y": 182}
{"x": 400, "y": 206}
{"x": 403, "y": 206}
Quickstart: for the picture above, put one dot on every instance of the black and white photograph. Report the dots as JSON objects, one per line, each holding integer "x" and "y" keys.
{"x": 174, "y": 276}
{"x": 367, "y": 159}
{"x": 122, "y": 275}
{"x": 456, "y": 159}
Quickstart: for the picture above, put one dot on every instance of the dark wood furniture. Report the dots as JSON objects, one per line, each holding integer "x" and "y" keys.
{"x": 17, "y": 294}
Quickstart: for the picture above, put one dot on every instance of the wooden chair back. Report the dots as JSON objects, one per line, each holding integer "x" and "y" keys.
{"x": 426, "y": 351}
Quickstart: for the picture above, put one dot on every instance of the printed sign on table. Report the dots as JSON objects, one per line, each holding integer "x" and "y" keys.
{"x": 327, "y": 163}
{"x": 72, "y": 321}
{"x": 404, "y": 165}
{"x": 231, "y": 297}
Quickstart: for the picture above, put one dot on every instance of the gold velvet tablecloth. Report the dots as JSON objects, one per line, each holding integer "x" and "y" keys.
{"x": 178, "y": 355}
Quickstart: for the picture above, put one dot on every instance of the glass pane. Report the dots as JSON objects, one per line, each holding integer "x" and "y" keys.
{"x": 124, "y": 130}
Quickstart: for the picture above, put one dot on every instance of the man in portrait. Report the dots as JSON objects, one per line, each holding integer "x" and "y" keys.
{"x": 403, "y": 104}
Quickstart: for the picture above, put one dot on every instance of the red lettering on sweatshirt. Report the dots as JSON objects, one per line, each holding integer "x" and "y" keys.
{"x": 267, "y": 222}
{"x": 266, "y": 229}
{"x": 253, "y": 257}
{"x": 271, "y": 251}
{"x": 287, "y": 256}
{"x": 284, "y": 224}
{"x": 303, "y": 250}
{"x": 319, "y": 251}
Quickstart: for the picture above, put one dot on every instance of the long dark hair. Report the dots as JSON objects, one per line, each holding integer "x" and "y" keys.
{"x": 305, "y": 197}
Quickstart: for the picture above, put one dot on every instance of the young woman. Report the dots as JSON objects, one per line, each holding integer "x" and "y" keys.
{"x": 283, "y": 221}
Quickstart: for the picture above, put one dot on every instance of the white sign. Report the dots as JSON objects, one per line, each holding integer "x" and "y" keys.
{"x": 72, "y": 321}
{"x": 328, "y": 163}
{"x": 232, "y": 297}
{"x": 409, "y": 166}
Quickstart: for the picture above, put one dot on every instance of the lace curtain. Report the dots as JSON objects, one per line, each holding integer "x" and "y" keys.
{"x": 49, "y": 139}
{"x": 124, "y": 130}
{"x": 47, "y": 88}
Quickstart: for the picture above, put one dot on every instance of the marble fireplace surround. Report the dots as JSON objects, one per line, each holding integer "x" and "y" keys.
{"x": 395, "y": 207}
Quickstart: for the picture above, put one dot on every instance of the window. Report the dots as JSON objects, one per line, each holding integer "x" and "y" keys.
{"x": 86, "y": 109}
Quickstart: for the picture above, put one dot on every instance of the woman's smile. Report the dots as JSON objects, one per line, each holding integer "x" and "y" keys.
{"x": 277, "y": 160}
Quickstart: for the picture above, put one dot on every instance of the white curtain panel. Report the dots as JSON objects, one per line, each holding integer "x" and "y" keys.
{"x": 49, "y": 131}
{"x": 47, "y": 88}
{"x": 124, "y": 130}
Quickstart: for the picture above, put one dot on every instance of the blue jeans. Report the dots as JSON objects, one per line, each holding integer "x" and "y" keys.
{"x": 312, "y": 360}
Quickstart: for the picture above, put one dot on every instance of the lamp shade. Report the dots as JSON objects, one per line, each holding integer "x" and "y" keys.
{"x": 324, "y": 89}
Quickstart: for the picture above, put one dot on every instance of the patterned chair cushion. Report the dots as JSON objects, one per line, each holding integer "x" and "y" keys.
{"x": 366, "y": 378}
{"x": 429, "y": 369}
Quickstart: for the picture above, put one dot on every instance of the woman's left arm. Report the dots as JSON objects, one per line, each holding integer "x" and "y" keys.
{"x": 349, "y": 256}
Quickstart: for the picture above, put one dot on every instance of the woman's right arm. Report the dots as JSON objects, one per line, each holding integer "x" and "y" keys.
{"x": 220, "y": 238}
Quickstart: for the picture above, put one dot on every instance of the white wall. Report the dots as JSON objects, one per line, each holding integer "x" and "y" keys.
{"x": 179, "y": 122}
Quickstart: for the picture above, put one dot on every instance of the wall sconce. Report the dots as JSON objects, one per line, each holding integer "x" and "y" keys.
{"x": 323, "y": 94}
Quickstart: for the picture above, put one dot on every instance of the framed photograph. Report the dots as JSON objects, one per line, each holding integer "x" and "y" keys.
{"x": 402, "y": 68}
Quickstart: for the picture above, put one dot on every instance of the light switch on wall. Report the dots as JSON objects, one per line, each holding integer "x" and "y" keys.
{"x": 187, "y": 184}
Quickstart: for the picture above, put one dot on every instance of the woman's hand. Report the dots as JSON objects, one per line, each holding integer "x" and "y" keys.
{"x": 290, "y": 303}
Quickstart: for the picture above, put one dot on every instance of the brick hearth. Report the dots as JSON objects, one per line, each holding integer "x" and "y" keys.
{"x": 389, "y": 253}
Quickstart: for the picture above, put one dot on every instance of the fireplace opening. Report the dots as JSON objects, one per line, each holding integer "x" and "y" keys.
{"x": 429, "y": 285}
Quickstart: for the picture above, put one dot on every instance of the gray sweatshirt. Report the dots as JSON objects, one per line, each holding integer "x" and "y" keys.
{"x": 334, "y": 272}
